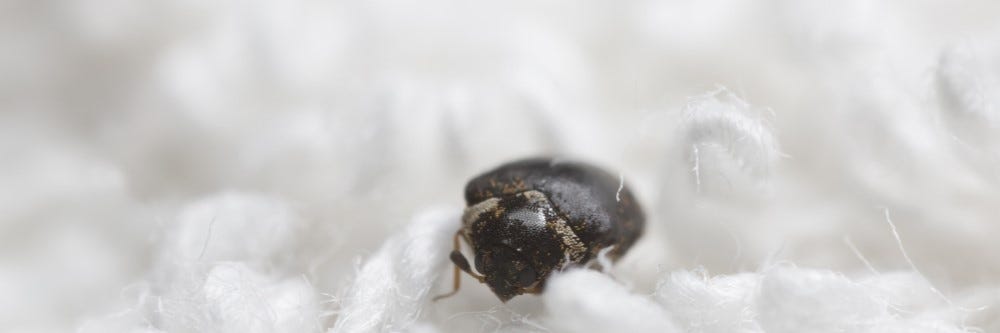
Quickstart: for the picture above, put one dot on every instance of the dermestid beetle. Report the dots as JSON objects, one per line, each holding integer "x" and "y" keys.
{"x": 527, "y": 218}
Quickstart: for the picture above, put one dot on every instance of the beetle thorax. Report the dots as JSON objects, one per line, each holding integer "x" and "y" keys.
{"x": 521, "y": 217}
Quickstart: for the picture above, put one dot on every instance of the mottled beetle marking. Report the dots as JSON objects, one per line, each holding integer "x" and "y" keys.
{"x": 572, "y": 245}
{"x": 472, "y": 213}
{"x": 528, "y": 218}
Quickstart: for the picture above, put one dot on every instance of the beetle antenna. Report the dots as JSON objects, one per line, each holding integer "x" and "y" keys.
{"x": 461, "y": 264}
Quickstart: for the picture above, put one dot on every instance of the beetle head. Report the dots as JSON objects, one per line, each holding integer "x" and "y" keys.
{"x": 515, "y": 247}
{"x": 508, "y": 273}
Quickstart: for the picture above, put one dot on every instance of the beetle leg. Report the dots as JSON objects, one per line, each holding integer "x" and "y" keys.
{"x": 455, "y": 286}
{"x": 534, "y": 288}
{"x": 461, "y": 264}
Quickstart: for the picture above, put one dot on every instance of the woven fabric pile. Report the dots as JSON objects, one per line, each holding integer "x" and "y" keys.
{"x": 298, "y": 166}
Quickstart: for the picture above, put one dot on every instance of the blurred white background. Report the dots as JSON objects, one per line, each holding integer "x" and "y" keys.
{"x": 151, "y": 153}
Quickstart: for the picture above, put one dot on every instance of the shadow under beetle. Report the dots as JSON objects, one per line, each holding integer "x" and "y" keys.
{"x": 527, "y": 218}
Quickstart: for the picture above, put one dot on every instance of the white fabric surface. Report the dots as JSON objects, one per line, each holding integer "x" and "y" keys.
{"x": 297, "y": 166}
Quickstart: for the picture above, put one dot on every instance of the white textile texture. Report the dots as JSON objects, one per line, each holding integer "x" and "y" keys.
{"x": 299, "y": 166}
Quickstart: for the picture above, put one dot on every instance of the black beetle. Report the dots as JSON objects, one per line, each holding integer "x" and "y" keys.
{"x": 527, "y": 218}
